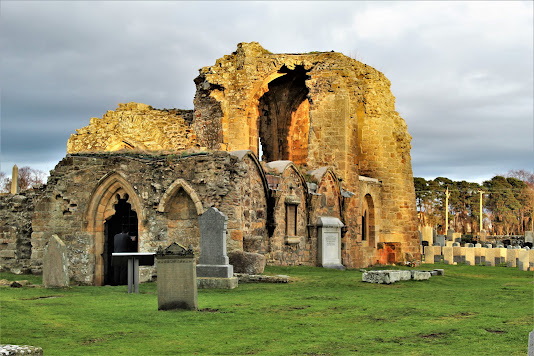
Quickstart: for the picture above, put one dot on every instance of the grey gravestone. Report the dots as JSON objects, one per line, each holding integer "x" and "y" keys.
{"x": 440, "y": 239}
{"x": 450, "y": 235}
{"x": 330, "y": 242}
{"x": 213, "y": 261}
{"x": 177, "y": 285}
{"x": 529, "y": 236}
{"x": 55, "y": 264}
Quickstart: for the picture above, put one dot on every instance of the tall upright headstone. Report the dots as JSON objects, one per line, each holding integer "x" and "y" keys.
{"x": 15, "y": 180}
{"x": 213, "y": 261}
{"x": 428, "y": 235}
{"x": 177, "y": 285}
{"x": 55, "y": 264}
{"x": 330, "y": 242}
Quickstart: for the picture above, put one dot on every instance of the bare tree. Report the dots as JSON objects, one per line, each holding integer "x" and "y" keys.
{"x": 28, "y": 178}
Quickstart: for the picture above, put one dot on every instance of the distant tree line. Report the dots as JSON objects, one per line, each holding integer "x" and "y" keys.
{"x": 507, "y": 201}
{"x": 28, "y": 177}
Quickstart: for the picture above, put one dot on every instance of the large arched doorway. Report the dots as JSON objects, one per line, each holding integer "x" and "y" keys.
{"x": 284, "y": 119}
{"x": 102, "y": 219}
{"x": 124, "y": 220}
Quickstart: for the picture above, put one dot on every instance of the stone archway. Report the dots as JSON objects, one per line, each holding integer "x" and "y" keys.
{"x": 182, "y": 206}
{"x": 111, "y": 189}
{"x": 283, "y": 117}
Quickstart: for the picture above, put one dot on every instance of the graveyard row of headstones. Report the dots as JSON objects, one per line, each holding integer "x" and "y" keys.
{"x": 476, "y": 254}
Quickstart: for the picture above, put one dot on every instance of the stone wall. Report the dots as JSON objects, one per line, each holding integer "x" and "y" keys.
{"x": 136, "y": 126}
{"x": 290, "y": 242}
{"x": 15, "y": 230}
{"x": 256, "y": 97}
{"x": 165, "y": 192}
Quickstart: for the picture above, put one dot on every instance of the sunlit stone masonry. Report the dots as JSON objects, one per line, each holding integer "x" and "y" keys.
{"x": 276, "y": 142}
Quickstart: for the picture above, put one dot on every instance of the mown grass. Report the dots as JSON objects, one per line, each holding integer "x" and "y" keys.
{"x": 470, "y": 311}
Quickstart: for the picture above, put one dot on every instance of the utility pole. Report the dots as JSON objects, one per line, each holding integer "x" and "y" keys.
{"x": 447, "y": 195}
{"x": 481, "y": 226}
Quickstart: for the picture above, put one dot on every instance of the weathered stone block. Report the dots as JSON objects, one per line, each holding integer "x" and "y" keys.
{"x": 247, "y": 262}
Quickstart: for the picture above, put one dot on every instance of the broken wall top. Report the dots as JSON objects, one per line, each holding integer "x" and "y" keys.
{"x": 135, "y": 126}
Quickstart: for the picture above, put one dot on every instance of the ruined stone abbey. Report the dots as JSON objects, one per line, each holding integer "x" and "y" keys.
{"x": 275, "y": 142}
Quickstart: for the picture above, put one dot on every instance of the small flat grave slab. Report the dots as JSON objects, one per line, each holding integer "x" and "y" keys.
{"x": 390, "y": 276}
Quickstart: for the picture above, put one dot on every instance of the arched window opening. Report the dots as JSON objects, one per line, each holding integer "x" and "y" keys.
{"x": 284, "y": 120}
{"x": 368, "y": 221}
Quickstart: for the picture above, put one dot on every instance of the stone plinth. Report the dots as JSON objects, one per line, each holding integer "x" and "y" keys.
{"x": 55, "y": 264}
{"x": 330, "y": 242}
{"x": 177, "y": 285}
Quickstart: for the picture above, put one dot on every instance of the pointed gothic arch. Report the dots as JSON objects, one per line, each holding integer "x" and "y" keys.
{"x": 110, "y": 189}
{"x": 173, "y": 189}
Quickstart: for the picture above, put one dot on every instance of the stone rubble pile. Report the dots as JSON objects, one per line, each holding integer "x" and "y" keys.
{"x": 391, "y": 276}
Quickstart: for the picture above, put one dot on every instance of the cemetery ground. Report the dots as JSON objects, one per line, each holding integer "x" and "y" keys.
{"x": 470, "y": 310}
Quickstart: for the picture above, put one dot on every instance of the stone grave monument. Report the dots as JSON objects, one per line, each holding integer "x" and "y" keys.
{"x": 55, "y": 264}
{"x": 213, "y": 269}
{"x": 177, "y": 286}
{"x": 15, "y": 180}
{"x": 330, "y": 242}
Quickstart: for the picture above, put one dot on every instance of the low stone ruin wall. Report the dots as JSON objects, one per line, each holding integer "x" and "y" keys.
{"x": 16, "y": 212}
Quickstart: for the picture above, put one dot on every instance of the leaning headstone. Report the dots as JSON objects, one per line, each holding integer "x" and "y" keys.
{"x": 213, "y": 268}
{"x": 177, "y": 285}
{"x": 330, "y": 242}
{"x": 15, "y": 180}
{"x": 55, "y": 264}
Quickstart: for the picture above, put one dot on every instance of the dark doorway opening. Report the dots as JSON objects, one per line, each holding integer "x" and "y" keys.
{"x": 124, "y": 218}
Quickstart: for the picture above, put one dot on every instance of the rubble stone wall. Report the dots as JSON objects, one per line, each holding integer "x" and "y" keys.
{"x": 15, "y": 230}
{"x": 136, "y": 126}
{"x": 81, "y": 190}
{"x": 353, "y": 126}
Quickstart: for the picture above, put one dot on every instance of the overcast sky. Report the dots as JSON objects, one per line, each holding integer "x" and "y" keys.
{"x": 462, "y": 72}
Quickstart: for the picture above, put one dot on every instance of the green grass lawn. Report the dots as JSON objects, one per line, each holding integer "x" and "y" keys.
{"x": 469, "y": 311}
